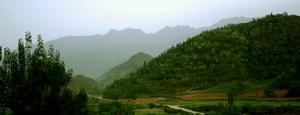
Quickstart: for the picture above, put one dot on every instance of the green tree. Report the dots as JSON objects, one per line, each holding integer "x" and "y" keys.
{"x": 231, "y": 108}
{"x": 32, "y": 83}
{"x": 81, "y": 103}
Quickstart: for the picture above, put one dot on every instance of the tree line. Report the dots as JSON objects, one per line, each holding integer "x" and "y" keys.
{"x": 33, "y": 81}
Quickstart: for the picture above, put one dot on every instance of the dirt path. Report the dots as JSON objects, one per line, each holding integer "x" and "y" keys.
{"x": 94, "y": 96}
{"x": 184, "y": 109}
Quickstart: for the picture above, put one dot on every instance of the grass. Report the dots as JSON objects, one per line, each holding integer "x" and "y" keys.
{"x": 221, "y": 101}
{"x": 150, "y": 111}
{"x": 210, "y": 105}
{"x": 206, "y": 105}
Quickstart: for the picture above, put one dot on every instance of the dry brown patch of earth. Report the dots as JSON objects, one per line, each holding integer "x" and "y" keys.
{"x": 202, "y": 95}
{"x": 149, "y": 99}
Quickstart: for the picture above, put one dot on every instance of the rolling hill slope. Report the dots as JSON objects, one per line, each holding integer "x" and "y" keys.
{"x": 131, "y": 65}
{"x": 264, "y": 49}
{"x": 81, "y": 82}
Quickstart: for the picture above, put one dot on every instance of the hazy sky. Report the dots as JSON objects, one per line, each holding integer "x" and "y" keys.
{"x": 58, "y": 18}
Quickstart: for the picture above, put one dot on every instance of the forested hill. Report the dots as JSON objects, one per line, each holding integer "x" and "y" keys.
{"x": 131, "y": 65}
{"x": 79, "y": 82}
{"x": 93, "y": 55}
{"x": 264, "y": 48}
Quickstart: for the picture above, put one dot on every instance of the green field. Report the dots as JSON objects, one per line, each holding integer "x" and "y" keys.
{"x": 244, "y": 104}
{"x": 150, "y": 111}
{"x": 211, "y": 105}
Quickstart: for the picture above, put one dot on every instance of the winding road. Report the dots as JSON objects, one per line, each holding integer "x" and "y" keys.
{"x": 184, "y": 109}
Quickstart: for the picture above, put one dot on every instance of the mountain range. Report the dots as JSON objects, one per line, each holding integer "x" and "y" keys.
{"x": 94, "y": 55}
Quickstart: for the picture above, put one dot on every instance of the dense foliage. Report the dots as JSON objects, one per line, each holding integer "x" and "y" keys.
{"x": 265, "y": 48}
{"x": 115, "y": 108}
{"x": 33, "y": 81}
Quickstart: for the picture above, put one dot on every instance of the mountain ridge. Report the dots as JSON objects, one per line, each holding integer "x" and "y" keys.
{"x": 94, "y": 55}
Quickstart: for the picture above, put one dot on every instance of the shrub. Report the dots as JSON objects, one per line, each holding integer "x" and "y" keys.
{"x": 269, "y": 92}
{"x": 5, "y": 111}
{"x": 294, "y": 90}
{"x": 115, "y": 108}
{"x": 154, "y": 105}
{"x": 170, "y": 110}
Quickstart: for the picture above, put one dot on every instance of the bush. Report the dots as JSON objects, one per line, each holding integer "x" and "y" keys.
{"x": 294, "y": 90}
{"x": 287, "y": 108}
{"x": 269, "y": 92}
{"x": 5, "y": 111}
{"x": 247, "y": 108}
{"x": 154, "y": 105}
{"x": 203, "y": 108}
{"x": 230, "y": 110}
{"x": 170, "y": 110}
{"x": 226, "y": 110}
{"x": 115, "y": 108}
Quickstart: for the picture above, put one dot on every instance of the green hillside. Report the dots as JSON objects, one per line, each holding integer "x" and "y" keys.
{"x": 94, "y": 55}
{"x": 263, "y": 49}
{"x": 81, "y": 82}
{"x": 131, "y": 65}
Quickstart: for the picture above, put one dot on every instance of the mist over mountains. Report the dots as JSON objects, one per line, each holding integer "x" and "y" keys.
{"x": 93, "y": 55}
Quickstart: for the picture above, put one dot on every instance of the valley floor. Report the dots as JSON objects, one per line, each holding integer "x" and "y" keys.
{"x": 251, "y": 101}
{"x": 205, "y": 101}
{"x": 211, "y": 103}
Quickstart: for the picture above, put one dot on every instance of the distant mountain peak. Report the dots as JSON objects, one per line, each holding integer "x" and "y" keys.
{"x": 127, "y": 30}
{"x": 132, "y": 29}
{"x": 140, "y": 55}
{"x": 112, "y": 31}
{"x": 178, "y": 28}
{"x": 231, "y": 20}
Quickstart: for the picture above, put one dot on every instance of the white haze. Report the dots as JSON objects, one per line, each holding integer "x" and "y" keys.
{"x": 57, "y": 18}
